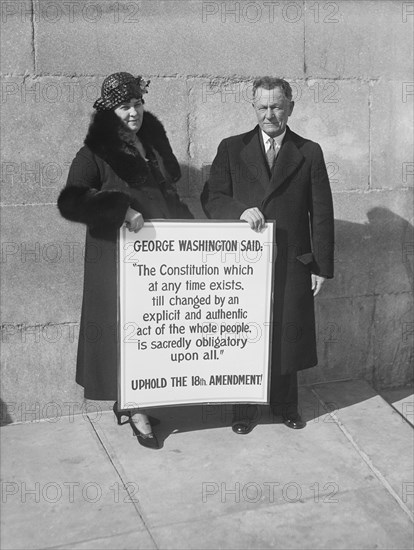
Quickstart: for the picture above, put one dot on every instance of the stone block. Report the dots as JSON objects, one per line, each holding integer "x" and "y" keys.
{"x": 169, "y": 38}
{"x": 223, "y": 108}
{"x": 391, "y": 134}
{"x": 77, "y": 499}
{"x": 38, "y": 373}
{"x": 195, "y": 205}
{"x": 367, "y": 337}
{"x": 36, "y": 170}
{"x": 17, "y": 48}
{"x": 361, "y": 207}
{"x": 402, "y": 401}
{"x": 44, "y": 123}
{"x": 370, "y": 39}
{"x": 392, "y": 340}
{"x": 343, "y": 328}
{"x": 42, "y": 268}
{"x": 322, "y": 113}
{"x": 205, "y": 492}
{"x": 168, "y": 100}
{"x": 373, "y": 244}
{"x": 218, "y": 109}
{"x": 371, "y": 425}
{"x": 362, "y": 518}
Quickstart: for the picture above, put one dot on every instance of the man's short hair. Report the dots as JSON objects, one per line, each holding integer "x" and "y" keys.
{"x": 270, "y": 82}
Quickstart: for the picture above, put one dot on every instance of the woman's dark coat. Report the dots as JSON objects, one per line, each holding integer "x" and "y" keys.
{"x": 297, "y": 195}
{"x": 106, "y": 177}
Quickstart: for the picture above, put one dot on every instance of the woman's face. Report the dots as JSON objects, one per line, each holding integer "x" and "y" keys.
{"x": 131, "y": 113}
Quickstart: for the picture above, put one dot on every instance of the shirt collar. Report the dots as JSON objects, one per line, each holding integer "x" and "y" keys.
{"x": 278, "y": 139}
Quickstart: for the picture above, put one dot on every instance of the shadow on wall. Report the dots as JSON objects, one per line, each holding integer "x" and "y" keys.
{"x": 365, "y": 327}
{"x": 375, "y": 257}
{"x": 5, "y": 418}
{"x": 364, "y": 315}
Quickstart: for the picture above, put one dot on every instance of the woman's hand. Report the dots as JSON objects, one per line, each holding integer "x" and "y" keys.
{"x": 134, "y": 220}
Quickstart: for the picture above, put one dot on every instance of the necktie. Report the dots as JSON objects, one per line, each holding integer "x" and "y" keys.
{"x": 271, "y": 153}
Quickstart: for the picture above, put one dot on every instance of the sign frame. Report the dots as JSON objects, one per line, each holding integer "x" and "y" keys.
{"x": 271, "y": 227}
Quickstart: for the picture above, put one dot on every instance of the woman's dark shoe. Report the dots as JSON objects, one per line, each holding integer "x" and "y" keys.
{"x": 146, "y": 440}
{"x": 120, "y": 413}
{"x": 153, "y": 421}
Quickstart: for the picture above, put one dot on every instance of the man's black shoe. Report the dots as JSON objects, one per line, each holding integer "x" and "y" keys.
{"x": 244, "y": 415}
{"x": 242, "y": 427}
{"x": 294, "y": 421}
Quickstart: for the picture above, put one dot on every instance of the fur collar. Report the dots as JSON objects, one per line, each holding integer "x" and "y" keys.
{"x": 109, "y": 139}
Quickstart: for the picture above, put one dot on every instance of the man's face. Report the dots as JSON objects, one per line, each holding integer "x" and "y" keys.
{"x": 272, "y": 110}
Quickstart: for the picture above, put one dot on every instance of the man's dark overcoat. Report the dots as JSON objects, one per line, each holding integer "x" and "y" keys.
{"x": 107, "y": 176}
{"x": 296, "y": 193}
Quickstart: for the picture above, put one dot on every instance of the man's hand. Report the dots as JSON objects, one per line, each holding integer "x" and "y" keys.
{"x": 317, "y": 282}
{"x": 254, "y": 218}
{"x": 134, "y": 220}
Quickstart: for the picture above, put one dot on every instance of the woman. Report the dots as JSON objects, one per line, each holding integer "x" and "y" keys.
{"x": 115, "y": 178}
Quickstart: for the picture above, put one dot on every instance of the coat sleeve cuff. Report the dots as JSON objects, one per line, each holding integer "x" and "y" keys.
{"x": 72, "y": 201}
{"x": 105, "y": 210}
{"x": 101, "y": 211}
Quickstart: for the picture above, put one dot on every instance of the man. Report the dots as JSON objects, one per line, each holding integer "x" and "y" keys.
{"x": 273, "y": 173}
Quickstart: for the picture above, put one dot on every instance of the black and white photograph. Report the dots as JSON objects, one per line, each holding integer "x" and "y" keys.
{"x": 207, "y": 267}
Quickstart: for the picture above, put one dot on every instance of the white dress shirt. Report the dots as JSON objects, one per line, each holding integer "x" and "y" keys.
{"x": 278, "y": 141}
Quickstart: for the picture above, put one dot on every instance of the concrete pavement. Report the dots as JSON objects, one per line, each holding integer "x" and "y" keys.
{"x": 346, "y": 481}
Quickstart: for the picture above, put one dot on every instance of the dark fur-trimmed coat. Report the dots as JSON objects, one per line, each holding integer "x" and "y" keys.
{"x": 106, "y": 177}
{"x": 297, "y": 194}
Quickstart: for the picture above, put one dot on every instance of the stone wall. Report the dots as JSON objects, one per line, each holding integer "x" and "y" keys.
{"x": 350, "y": 65}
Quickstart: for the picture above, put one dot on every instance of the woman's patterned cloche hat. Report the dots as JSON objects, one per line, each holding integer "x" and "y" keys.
{"x": 118, "y": 88}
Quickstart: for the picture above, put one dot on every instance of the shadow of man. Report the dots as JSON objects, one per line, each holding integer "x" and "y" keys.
{"x": 364, "y": 320}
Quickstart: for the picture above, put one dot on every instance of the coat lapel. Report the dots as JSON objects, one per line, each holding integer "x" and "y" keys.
{"x": 287, "y": 162}
{"x": 253, "y": 157}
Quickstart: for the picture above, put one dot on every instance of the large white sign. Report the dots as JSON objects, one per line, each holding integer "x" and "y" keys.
{"x": 195, "y": 313}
